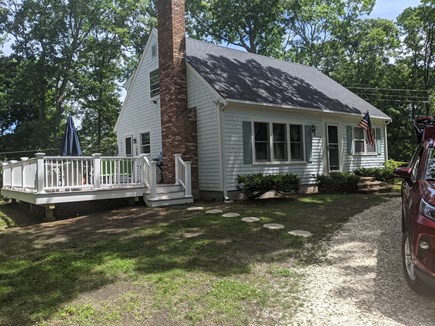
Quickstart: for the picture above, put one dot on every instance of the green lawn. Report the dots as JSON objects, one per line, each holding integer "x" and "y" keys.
{"x": 173, "y": 266}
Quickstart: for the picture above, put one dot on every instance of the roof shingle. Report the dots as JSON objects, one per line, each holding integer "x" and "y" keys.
{"x": 243, "y": 76}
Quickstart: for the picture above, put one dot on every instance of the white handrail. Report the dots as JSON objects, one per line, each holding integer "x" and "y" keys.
{"x": 150, "y": 175}
{"x": 183, "y": 174}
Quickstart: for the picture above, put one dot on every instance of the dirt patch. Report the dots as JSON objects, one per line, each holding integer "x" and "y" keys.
{"x": 92, "y": 227}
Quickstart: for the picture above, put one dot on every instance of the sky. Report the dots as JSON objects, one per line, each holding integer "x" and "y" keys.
{"x": 390, "y": 9}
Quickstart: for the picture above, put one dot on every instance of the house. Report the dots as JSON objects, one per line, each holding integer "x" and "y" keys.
{"x": 230, "y": 112}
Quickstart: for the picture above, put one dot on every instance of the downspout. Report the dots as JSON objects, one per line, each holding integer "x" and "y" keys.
{"x": 386, "y": 141}
{"x": 221, "y": 105}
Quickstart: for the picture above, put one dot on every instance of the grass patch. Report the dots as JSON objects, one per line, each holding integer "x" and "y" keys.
{"x": 175, "y": 267}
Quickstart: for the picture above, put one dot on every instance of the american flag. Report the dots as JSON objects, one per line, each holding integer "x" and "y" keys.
{"x": 367, "y": 126}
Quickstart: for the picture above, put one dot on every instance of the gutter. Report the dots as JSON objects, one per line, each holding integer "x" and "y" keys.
{"x": 221, "y": 105}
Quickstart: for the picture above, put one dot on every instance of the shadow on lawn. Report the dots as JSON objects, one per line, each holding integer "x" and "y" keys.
{"x": 46, "y": 265}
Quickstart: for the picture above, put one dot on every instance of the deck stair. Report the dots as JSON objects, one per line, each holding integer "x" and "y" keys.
{"x": 370, "y": 185}
{"x": 168, "y": 194}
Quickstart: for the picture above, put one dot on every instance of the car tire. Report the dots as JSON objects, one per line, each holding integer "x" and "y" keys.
{"x": 411, "y": 277}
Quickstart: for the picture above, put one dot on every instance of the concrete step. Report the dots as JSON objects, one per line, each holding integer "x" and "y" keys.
{"x": 366, "y": 179}
{"x": 370, "y": 184}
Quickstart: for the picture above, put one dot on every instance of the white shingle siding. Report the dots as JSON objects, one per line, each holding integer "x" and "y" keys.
{"x": 201, "y": 97}
{"x": 140, "y": 114}
{"x": 233, "y": 119}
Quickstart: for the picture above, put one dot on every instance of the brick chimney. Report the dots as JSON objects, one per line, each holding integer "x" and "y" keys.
{"x": 178, "y": 122}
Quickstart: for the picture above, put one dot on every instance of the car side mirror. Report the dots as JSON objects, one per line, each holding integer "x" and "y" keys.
{"x": 404, "y": 173}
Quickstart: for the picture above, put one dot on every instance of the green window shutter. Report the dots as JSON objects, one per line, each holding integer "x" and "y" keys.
{"x": 349, "y": 139}
{"x": 247, "y": 142}
{"x": 378, "y": 141}
{"x": 308, "y": 144}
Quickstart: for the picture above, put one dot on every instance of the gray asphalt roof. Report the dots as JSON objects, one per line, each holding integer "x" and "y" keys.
{"x": 243, "y": 76}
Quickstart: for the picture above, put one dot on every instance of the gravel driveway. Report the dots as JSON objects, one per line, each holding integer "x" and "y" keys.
{"x": 361, "y": 281}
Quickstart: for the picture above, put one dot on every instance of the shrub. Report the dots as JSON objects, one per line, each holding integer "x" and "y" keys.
{"x": 338, "y": 182}
{"x": 286, "y": 182}
{"x": 381, "y": 174}
{"x": 255, "y": 185}
{"x": 384, "y": 174}
{"x": 392, "y": 164}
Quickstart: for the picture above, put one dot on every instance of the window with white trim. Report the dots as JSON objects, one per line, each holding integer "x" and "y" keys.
{"x": 154, "y": 83}
{"x": 153, "y": 50}
{"x": 360, "y": 145}
{"x": 145, "y": 143}
{"x": 296, "y": 143}
{"x": 278, "y": 142}
{"x": 262, "y": 141}
{"x": 280, "y": 151}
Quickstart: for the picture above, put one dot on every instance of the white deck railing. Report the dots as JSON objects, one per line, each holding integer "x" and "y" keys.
{"x": 44, "y": 174}
{"x": 183, "y": 175}
{"x": 72, "y": 173}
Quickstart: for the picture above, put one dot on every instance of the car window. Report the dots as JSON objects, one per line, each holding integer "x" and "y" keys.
{"x": 430, "y": 166}
{"x": 415, "y": 162}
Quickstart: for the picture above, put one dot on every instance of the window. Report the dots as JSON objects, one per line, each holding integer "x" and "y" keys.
{"x": 153, "y": 50}
{"x": 154, "y": 83}
{"x": 145, "y": 143}
{"x": 128, "y": 146}
{"x": 360, "y": 144}
{"x": 261, "y": 139}
{"x": 280, "y": 142}
{"x": 296, "y": 143}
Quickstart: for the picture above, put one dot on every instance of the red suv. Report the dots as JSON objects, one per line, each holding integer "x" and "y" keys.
{"x": 418, "y": 210}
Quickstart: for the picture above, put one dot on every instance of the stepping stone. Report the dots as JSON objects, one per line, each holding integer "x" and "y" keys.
{"x": 195, "y": 208}
{"x": 250, "y": 219}
{"x": 231, "y": 215}
{"x": 214, "y": 211}
{"x": 301, "y": 233}
{"x": 273, "y": 226}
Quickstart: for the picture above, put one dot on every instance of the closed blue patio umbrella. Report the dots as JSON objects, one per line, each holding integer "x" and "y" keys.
{"x": 70, "y": 141}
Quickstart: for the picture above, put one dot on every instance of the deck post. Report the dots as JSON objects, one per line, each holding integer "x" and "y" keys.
{"x": 153, "y": 180}
{"x": 188, "y": 179}
{"x": 97, "y": 170}
{"x": 4, "y": 165}
{"x": 40, "y": 173}
{"x": 177, "y": 168}
{"x": 23, "y": 175}
{"x": 49, "y": 213}
{"x": 12, "y": 173}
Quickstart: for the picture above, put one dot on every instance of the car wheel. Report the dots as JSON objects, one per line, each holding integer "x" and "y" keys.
{"x": 408, "y": 266}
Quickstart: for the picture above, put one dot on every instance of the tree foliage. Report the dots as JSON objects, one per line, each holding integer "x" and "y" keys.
{"x": 69, "y": 57}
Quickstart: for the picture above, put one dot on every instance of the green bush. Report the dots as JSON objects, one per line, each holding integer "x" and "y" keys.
{"x": 337, "y": 182}
{"x": 392, "y": 164}
{"x": 286, "y": 182}
{"x": 381, "y": 174}
{"x": 255, "y": 185}
{"x": 384, "y": 174}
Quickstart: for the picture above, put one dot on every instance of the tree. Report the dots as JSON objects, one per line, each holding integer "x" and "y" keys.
{"x": 55, "y": 48}
{"x": 318, "y": 29}
{"x": 258, "y": 26}
{"x": 418, "y": 29}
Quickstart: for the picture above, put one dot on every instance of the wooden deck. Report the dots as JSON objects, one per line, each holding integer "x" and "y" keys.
{"x": 49, "y": 180}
